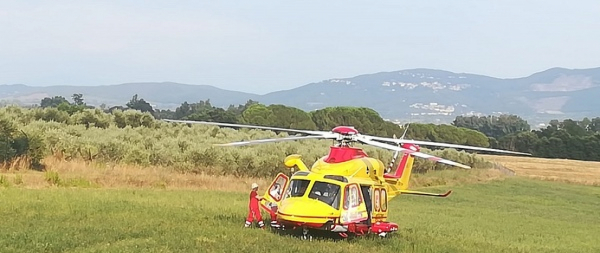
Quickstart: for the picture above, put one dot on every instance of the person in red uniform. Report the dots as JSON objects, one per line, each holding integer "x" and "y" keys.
{"x": 254, "y": 210}
{"x": 276, "y": 195}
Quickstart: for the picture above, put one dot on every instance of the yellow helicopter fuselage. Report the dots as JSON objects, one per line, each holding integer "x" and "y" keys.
{"x": 343, "y": 192}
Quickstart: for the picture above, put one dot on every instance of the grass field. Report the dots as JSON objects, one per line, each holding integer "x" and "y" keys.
{"x": 90, "y": 208}
{"x": 513, "y": 215}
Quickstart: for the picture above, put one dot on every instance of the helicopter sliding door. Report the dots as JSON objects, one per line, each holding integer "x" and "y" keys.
{"x": 354, "y": 209}
{"x": 368, "y": 197}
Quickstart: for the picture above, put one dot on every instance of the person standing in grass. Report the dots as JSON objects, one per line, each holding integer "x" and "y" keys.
{"x": 276, "y": 195}
{"x": 253, "y": 208}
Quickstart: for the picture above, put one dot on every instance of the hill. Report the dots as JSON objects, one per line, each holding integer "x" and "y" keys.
{"x": 162, "y": 95}
{"x": 435, "y": 94}
{"x": 416, "y": 94}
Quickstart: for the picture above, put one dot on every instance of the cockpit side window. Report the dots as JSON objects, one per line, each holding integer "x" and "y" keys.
{"x": 327, "y": 193}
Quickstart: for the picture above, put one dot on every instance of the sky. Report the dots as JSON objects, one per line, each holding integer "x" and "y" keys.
{"x": 265, "y": 46}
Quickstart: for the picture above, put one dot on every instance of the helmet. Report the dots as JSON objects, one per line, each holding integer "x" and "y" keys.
{"x": 254, "y": 185}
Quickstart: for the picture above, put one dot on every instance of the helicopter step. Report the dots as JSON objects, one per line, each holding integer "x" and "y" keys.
{"x": 384, "y": 228}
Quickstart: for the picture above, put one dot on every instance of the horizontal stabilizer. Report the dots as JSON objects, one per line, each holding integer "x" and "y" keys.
{"x": 425, "y": 193}
{"x": 389, "y": 176}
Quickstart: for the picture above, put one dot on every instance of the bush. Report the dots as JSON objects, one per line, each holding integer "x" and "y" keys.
{"x": 133, "y": 137}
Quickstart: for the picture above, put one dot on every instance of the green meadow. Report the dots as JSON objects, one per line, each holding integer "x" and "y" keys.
{"x": 512, "y": 215}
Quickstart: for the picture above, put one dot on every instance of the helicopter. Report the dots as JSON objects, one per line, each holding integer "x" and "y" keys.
{"x": 345, "y": 192}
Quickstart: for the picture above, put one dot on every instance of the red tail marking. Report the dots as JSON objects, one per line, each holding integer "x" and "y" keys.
{"x": 402, "y": 164}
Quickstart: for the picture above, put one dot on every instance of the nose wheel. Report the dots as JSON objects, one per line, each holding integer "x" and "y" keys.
{"x": 306, "y": 235}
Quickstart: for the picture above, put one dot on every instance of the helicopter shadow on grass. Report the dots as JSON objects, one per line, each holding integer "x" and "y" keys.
{"x": 322, "y": 235}
{"x": 317, "y": 235}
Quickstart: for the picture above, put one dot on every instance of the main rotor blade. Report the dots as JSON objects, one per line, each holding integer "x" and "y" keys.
{"x": 415, "y": 153}
{"x": 248, "y": 126}
{"x": 448, "y": 145}
{"x": 294, "y": 138}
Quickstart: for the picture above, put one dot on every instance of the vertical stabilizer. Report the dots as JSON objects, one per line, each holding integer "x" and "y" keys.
{"x": 405, "y": 166}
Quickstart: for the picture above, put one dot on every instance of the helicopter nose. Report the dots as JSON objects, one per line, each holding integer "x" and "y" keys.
{"x": 306, "y": 211}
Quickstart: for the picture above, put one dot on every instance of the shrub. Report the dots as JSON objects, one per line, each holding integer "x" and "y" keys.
{"x": 136, "y": 138}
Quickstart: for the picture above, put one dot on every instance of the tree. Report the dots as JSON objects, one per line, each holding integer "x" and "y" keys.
{"x": 140, "y": 105}
{"x": 522, "y": 142}
{"x": 15, "y": 143}
{"x": 493, "y": 126}
{"x": 53, "y": 102}
{"x": 77, "y": 99}
{"x": 258, "y": 114}
{"x": 365, "y": 120}
{"x": 291, "y": 117}
{"x": 448, "y": 134}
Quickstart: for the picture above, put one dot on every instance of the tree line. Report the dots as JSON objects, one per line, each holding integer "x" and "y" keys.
{"x": 135, "y": 137}
{"x": 566, "y": 139}
{"x": 366, "y": 120}
{"x": 569, "y": 139}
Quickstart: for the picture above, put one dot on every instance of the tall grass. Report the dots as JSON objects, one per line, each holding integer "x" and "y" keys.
{"x": 85, "y": 174}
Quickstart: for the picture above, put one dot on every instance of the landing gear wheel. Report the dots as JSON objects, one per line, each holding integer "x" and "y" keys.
{"x": 305, "y": 235}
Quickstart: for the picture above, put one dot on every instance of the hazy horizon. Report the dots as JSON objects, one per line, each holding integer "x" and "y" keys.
{"x": 269, "y": 46}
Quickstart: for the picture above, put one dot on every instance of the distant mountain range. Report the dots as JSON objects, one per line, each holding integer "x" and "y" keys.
{"x": 424, "y": 95}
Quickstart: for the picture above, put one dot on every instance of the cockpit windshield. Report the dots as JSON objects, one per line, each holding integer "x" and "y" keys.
{"x": 327, "y": 193}
{"x": 297, "y": 188}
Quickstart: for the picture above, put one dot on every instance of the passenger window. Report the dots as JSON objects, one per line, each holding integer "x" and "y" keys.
{"x": 353, "y": 198}
{"x": 377, "y": 200}
{"x": 383, "y": 200}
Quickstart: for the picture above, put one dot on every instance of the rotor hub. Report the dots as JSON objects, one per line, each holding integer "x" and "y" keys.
{"x": 345, "y": 135}
{"x": 345, "y": 130}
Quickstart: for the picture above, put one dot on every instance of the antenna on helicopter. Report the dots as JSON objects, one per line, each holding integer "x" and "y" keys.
{"x": 405, "y": 130}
